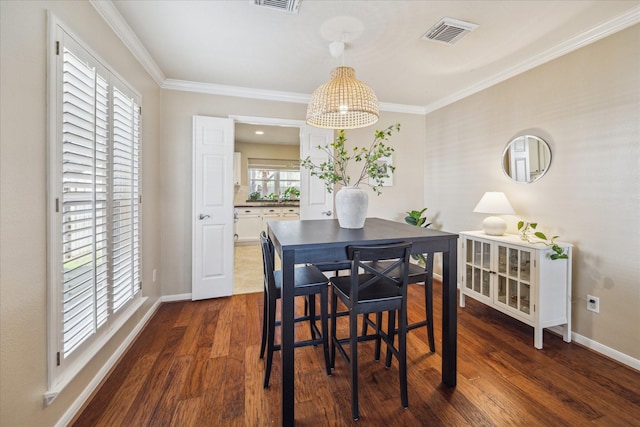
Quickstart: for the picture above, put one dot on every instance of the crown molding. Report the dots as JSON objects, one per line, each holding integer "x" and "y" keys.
{"x": 114, "y": 19}
{"x": 269, "y": 95}
{"x": 403, "y": 108}
{"x": 240, "y": 92}
{"x": 596, "y": 33}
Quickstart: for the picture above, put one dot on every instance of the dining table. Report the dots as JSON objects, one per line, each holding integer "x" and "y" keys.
{"x": 322, "y": 241}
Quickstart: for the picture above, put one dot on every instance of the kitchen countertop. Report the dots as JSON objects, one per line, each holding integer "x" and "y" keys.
{"x": 269, "y": 204}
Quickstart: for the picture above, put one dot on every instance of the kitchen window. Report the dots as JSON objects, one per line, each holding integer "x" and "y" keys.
{"x": 272, "y": 176}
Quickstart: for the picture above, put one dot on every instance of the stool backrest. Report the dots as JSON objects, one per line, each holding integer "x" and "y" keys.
{"x": 267, "y": 262}
{"x": 397, "y": 254}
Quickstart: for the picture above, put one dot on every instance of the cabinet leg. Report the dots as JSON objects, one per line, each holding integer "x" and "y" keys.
{"x": 537, "y": 338}
{"x": 461, "y": 299}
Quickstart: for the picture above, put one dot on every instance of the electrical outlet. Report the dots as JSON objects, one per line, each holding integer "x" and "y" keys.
{"x": 593, "y": 304}
{"x": 154, "y": 275}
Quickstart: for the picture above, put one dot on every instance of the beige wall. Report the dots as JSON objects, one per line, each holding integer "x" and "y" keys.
{"x": 23, "y": 275}
{"x": 587, "y": 106}
{"x": 178, "y": 109}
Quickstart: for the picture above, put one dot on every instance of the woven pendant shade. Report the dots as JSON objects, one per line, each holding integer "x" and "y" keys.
{"x": 343, "y": 103}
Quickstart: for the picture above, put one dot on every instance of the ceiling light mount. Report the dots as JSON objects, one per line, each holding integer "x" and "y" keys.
{"x": 337, "y": 49}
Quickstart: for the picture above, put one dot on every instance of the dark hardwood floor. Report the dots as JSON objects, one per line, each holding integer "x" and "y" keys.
{"x": 196, "y": 364}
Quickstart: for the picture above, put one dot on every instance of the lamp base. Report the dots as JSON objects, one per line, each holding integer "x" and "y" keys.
{"x": 494, "y": 226}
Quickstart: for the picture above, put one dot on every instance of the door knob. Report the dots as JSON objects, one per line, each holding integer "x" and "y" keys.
{"x": 204, "y": 216}
{"x": 327, "y": 213}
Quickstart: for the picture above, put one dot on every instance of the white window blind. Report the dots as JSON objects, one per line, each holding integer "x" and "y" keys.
{"x": 94, "y": 226}
{"x": 126, "y": 144}
{"x": 85, "y": 117}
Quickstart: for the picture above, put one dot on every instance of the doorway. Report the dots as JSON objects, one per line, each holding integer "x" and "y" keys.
{"x": 259, "y": 145}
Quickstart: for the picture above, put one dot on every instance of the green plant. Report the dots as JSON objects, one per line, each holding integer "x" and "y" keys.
{"x": 255, "y": 195}
{"x": 527, "y": 229}
{"x": 334, "y": 170}
{"x": 416, "y": 218}
{"x": 291, "y": 191}
{"x": 272, "y": 196}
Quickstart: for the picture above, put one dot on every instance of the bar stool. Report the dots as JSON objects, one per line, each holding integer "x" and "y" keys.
{"x": 308, "y": 282}
{"x": 373, "y": 291}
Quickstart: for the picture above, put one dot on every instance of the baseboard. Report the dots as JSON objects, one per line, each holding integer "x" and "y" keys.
{"x": 609, "y": 352}
{"x": 177, "y": 297}
{"x": 78, "y": 404}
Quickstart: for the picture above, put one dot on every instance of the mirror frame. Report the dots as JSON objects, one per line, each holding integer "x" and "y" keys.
{"x": 514, "y": 144}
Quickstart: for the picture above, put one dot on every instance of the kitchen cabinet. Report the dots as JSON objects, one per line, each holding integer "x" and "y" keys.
{"x": 252, "y": 220}
{"x": 517, "y": 278}
{"x": 248, "y": 224}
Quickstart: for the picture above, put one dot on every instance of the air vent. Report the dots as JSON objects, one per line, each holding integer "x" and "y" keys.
{"x": 449, "y": 30}
{"x": 290, "y": 6}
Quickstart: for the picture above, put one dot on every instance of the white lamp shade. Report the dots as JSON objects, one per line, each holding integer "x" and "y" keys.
{"x": 494, "y": 202}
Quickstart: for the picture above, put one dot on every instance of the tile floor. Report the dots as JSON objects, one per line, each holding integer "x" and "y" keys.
{"x": 248, "y": 269}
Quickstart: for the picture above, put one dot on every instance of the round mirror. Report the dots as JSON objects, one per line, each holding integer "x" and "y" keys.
{"x": 526, "y": 158}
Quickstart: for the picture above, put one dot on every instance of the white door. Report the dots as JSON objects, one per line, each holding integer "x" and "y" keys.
{"x": 212, "y": 213}
{"x": 315, "y": 201}
{"x": 519, "y": 155}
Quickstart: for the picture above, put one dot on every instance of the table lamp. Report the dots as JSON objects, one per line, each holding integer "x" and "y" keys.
{"x": 495, "y": 203}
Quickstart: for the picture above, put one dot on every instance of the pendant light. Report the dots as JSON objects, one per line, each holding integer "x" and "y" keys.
{"x": 344, "y": 102}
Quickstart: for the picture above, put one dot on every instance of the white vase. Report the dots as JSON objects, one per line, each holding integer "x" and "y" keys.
{"x": 351, "y": 207}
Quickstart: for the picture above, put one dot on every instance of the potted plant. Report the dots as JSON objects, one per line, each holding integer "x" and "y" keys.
{"x": 292, "y": 193}
{"x": 351, "y": 201}
{"x": 416, "y": 218}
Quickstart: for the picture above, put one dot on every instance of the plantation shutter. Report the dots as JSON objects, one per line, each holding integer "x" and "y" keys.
{"x": 125, "y": 247}
{"x": 85, "y": 117}
{"x": 100, "y": 221}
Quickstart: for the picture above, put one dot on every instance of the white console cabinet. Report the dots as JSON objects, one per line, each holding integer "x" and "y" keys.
{"x": 517, "y": 278}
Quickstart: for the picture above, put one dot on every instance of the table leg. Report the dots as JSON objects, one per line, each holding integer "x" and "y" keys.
{"x": 287, "y": 339}
{"x": 449, "y": 315}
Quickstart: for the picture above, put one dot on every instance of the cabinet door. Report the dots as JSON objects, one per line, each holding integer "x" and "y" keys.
{"x": 270, "y": 214}
{"x": 249, "y": 225}
{"x": 478, "y": 267}
{"x": 514, "y": 273}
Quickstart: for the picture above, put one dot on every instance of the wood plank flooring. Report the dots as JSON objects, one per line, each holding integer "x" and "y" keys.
{"x": 196, "y": 364}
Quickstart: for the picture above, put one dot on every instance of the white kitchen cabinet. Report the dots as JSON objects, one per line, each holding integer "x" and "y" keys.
{"x": 252, "y": 220}
{"x": 248, "y": 224}
{"x": 517, "y": 278}
{"x": 290, "y": 213}
{"x": 270, "y": 214}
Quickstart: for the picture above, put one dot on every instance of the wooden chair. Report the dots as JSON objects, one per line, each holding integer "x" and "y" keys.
{"x": 416, "y": 274}
{"x": 373, "y": 291}
{"x": 309, "y": 281}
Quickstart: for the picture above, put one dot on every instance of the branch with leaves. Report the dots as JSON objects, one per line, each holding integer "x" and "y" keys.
{"x": 334, "y": 169}
{"x": 527, "y": 229}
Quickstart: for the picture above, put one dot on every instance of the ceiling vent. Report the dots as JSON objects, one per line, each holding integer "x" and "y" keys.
{"x": 290, "y": 6}
{"x": 449, "y": 30}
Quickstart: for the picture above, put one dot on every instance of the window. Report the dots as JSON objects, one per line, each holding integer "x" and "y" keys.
{"x": 267, "y": 176}
{"x": 94, "y": 223}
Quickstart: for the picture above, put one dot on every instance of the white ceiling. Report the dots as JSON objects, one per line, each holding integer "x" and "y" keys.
{"x": 238, "y": 48}
{"x": 283, "y": 135}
